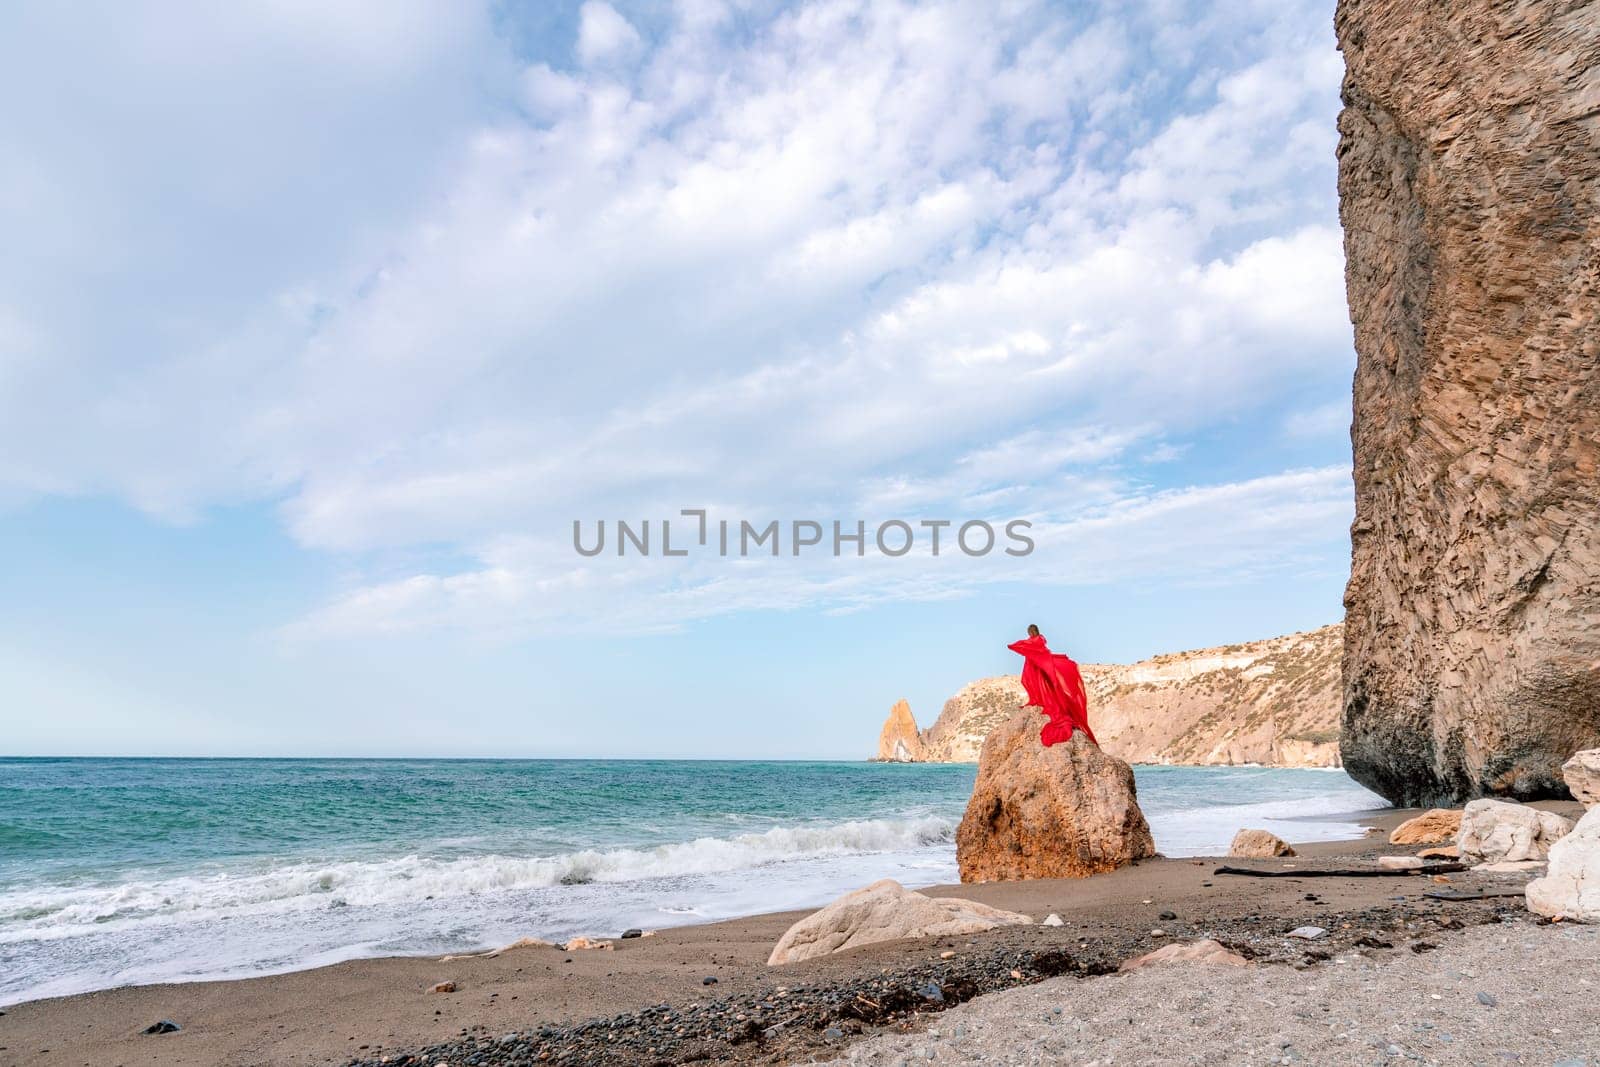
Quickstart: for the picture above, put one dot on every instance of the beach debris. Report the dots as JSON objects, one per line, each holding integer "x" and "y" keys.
{"x": 165, "y": 1026}
{"x": 586, "y": 944}
{"x": 1308, "y": 933}
{"x": 1433, "y": 827}
{"x": 1571, "y": 889}
{"x": 1495, "y": 831}
{"x": 1259, "y": 844}
{"x": 1401, "y": 863}
{"x": 1052, "y": 920}
{"x": 1205, "y": 951}
{"x": 442, "y": 987}
{"x": 631, "y": 933}
{"x": 1343, "y": 872}
{"x": 1582, "y": 775}
{"x": 523, "y": 942}
{"x": 1473, "y": 894}
{"x": 885, "y": 911}
{"x": 1066, "y": 811}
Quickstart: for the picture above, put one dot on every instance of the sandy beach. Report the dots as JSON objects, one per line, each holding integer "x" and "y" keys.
{"x": 654, "y": 1003}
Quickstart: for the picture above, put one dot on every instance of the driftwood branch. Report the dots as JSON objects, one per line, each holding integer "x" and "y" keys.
{"x": 1345, "y": 872}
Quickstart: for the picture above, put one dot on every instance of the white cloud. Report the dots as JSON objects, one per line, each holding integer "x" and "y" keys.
{"x": 1101, "y": 534}
{"x": 851, "y": 255}
{"x": 604, "y": 36}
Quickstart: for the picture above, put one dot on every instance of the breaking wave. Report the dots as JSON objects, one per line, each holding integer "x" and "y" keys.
{"x": 47, "y": 911}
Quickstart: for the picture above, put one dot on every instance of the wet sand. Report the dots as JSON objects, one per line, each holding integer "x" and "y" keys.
{"x": 369, "y": 1009}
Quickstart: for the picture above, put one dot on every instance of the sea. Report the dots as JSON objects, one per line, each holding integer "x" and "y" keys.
{"x": 128, "y": 871}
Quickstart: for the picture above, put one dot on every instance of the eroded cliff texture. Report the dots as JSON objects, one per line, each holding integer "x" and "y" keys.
{"x": 1274, "y": 702}
{"x": 1469, "y": 188}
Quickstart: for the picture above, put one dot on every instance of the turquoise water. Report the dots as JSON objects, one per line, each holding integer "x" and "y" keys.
{"x": 120, "y": 871}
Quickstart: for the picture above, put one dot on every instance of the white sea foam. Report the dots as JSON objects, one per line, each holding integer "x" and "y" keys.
{"x": 48, "y": 911}
{"x": 247, "y": 917}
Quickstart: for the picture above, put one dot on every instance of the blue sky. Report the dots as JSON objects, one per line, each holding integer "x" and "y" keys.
{"x": 319, "y": 327}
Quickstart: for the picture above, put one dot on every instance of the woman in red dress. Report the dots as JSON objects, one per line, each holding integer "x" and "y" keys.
{"x": 1055, "y": 687}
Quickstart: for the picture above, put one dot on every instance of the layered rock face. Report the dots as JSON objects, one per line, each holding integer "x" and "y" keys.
{"x": 1274, "y": 702}
{"x": 898, "y": 741}
{"x": 957, "y": 735}
{"x": 1067, "y": 811}
{"x": 1469, "y": 189}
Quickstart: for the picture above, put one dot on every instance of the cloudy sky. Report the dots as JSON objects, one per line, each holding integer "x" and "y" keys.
{"x": 321, "y": 324}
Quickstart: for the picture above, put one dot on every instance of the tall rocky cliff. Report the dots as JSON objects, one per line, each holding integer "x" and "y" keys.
{"x": 1273, "y": 702}
{"x": 1469, "y": 189}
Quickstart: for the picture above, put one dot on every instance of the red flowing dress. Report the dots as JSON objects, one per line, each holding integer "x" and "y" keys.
{"x": 1055, "y": 687}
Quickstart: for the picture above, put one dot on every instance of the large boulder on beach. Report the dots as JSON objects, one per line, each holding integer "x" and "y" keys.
{"x": 885, "y": 911}
{"x": 1067, "y": 811}
{"x": 1259, "y": 844}
{"x": 1430, "y": 828}
{"x": 1582, "y": 775}
{"x": 1571, "y": 888}
{"x": 1469, "y": 190}
{"x": 1503, "y": 831}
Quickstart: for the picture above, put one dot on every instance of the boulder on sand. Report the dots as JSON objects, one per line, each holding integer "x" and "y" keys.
{"x": 1259, "y": 844}
{"x": 885, "y": 911}
{"x": 1067, "y": 811}
{"x": 1502, "y": 831}
{"x": 1582, "y": 775}
{"x": 1571, "y": 889}
{"x": 1207, "y": 951}
{"x": 1430, "y": 828}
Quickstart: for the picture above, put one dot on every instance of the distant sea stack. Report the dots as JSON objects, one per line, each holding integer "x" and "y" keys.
{"x": 899, "y": 742}
{"x": 1273, "y": 702}
{"x": 1469, "y": 179}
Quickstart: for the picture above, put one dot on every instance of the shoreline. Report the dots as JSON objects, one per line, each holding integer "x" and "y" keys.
{"x": 377, "y": 1006}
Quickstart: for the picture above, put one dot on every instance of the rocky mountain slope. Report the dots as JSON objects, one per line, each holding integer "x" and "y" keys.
{"x": 1469, "y": 189}
{"x": 1274, "y": 702}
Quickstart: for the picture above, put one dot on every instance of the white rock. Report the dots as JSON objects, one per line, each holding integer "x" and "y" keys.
{"x": 1493, "y": 831}
{"x": 1572, "y": 888}
{"x": 1511, "y": 866}
{"x": 1582, "y": 773}
{"x": 885, "y": 911}
{"x": 1400, "y": 863}
{"x": 1307, "y": 933}
{"x": 1052, "y": 920}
